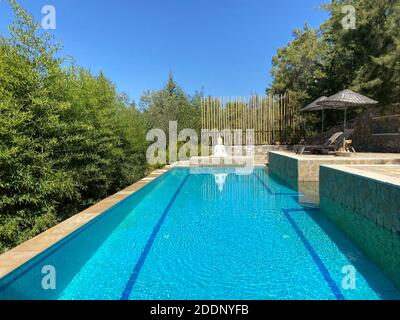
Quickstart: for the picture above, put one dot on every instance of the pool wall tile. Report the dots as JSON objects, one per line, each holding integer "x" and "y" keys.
{"x": 368, "y": 211}
{"x": 295, "y": 168}
{"x": 286, "y": 168}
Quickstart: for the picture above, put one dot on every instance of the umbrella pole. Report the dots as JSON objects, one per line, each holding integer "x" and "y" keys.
{"x": 345, "y": 117}
{"x": 322, "y": 120}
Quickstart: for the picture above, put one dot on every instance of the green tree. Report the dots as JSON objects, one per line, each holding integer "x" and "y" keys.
{"x": 30, "y": 121}
{"x": 332, "y": 58}
{"x": 367, "y": 58}
{"x": 171, "y": 104}
{"x": 299, "y": 66}
{"x": 67, "y": 137}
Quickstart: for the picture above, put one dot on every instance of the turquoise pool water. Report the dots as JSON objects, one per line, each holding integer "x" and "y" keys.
{"x": 205, "y": 234}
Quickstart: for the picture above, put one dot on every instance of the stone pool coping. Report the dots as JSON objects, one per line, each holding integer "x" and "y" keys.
{"x": 362, "y": 170}
{"x": 16, "y": 257}
{"x": 189, "y": 164}
{"x": 294, "y": 168}
{"x": 357, "y": 156}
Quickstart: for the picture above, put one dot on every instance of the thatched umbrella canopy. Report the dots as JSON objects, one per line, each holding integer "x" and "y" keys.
{"x": 313, "y": 106}
{"x": 346, "y": 99}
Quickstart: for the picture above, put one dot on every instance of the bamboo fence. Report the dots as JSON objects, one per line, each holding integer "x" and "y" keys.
{"x": 272, "y": 117}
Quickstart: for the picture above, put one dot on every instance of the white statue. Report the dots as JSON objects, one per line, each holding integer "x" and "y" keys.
{"x": 219, "y": 149}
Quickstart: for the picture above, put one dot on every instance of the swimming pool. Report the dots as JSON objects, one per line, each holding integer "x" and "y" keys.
{"x": 206, "y": 233}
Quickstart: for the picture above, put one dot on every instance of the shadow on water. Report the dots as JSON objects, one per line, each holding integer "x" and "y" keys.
{"x": 308, "y": 192}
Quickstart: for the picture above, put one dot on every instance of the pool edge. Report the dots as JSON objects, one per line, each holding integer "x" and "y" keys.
{"x": 15, "y": 258}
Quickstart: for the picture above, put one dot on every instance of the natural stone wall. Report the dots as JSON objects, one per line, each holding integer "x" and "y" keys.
{"x": 368, "y": 212}
{"x": 365, "y": 141}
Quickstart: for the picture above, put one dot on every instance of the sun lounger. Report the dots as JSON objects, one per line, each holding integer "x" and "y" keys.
{"x": 341, "y": 142}
{"x": 300, "y": 149}
{"x": 337, "y": 144}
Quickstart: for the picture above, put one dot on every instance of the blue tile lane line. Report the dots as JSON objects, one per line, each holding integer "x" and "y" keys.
{"x": 271, "y": 192}
{"x": 58, "y": 245}
{"x": 139, "y": 264}
{"x": 322, "y": 268}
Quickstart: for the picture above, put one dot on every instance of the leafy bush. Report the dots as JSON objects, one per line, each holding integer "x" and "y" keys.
{"x": 67, "y": 138}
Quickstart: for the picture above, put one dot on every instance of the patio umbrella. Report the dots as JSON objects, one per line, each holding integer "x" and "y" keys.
{"x": 313, "y": 106}
{"x": 346, "y": 99}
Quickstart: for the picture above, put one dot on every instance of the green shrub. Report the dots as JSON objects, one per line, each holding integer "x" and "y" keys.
{"x": 67, "y": 138}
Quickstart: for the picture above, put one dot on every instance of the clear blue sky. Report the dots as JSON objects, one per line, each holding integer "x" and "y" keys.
{"x": 224, "y": 47}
